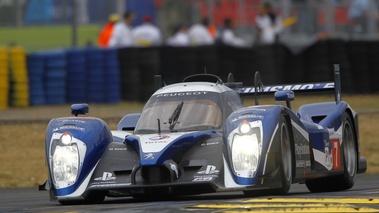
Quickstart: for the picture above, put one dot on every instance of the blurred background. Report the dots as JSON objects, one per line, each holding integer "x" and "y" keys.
{"x": 314, "y": 17}
{"x": 49, "y": 52}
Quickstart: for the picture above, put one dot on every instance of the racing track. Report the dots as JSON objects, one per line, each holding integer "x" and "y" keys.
{"x": 363, "y": 197}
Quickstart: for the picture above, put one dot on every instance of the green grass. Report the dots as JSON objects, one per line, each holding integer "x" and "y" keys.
{"x": 39, "y": 38}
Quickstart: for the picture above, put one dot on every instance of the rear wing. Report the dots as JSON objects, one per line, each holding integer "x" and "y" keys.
{"x": 306, "y": 87}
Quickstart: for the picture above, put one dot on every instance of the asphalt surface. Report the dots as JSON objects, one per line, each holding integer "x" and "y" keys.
{"x": 363, "y": 197}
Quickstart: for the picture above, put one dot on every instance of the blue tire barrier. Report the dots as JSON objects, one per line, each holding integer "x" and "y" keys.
{"x": 55, "y": 77}
{"x": 36, "y": 69}
{"x": 76, "y": 76}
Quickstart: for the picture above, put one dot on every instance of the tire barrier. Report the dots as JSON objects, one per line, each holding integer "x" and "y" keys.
{"x": 4, "y": 79}
{"x": 36, "y": 71}
{"x": 18, "y": 78}
{"x": 96, "y": 75}
{"x": 55, "y": 77}
{"x": 112, "y": 76}
{"x": 76, "y": 76}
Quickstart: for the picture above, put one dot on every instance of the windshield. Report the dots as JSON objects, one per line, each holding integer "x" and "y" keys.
{"x": 179, "y": 114}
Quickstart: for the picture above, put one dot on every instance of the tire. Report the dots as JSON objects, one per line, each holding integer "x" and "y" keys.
{"x": 285, "y": 158}
{"x": 285, "y": 164}
{"x": 350, "y": 163}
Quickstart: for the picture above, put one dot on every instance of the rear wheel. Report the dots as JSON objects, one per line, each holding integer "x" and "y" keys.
{"x": 350, "y": 163}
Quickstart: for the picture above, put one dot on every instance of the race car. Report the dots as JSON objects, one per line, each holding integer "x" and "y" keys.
{"x": 198, "y": 137}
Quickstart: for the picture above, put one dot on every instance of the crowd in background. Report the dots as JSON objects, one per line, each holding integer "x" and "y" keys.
{"x": 119, "y": 32}
{"x": 231, "y": 22}
{"x": 269, "y": 24}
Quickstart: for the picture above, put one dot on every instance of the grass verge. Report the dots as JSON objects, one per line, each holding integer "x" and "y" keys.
{"x": 38, "y": 38}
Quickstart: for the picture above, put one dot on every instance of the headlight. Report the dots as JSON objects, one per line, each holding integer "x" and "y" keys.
{"x": 65, "y": 164}
{"x": 245, "y": 127}
{"x": 245, "y": 154}
{"x": 66, "y": 138}
{"x": 245, "y": 143}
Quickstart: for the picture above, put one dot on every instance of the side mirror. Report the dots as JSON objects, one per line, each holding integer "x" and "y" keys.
{"x": 286, "y": 96}
{"x": 128, "y": 122}
{"x": 79, "y": 109}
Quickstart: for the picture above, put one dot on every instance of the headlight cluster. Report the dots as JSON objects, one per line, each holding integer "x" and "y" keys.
{"x": 246, "y": 148}
{"x": 64, "y": 159}
{"x": 65, "y": 165}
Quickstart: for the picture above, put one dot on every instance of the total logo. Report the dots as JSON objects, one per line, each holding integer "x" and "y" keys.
{"x": 106, "y": 177}
{"x": 159, "y": 137}
{"x": 209, "y": 170}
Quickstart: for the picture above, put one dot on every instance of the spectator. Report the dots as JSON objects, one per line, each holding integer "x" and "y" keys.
{"x": 358, "y": 11}
{"x": 199, "y": 33}
{"x": 179, "y": 37}
{"x": 269, "y": 25}
{"x": 227, "y": 35}
{"x": 106, "y": 33}
{"x": 147, "y": 34}
{"x": 122, "y": 32}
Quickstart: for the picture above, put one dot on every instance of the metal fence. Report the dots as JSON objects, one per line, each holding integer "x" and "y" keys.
{"x": 314, "y": 16}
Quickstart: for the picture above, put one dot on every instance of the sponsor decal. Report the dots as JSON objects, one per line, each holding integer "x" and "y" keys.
{"x": 181, "y": 94}
{"x": 202, "y": 179}
{"x": 149, "y": 156}
{"x": 331, "y": 131}
{"x": 301, "y": 149}
{"x": 328, "y": 155}
{"x": 107, "y": 176}
{"x": 159, "y": 137}
{"x": 71, "y": 120}
{"x": 209, "y": 170}
{"x": 69, "y": 127}
{"x": 328, "y": 159}
{"x": 247, "y": 116}
{"x": 210, "y": 143}
{"x": 303, "y": 163}
{"x": 118, "y": 149}
{"x": 291, "y": 87}
{"x": 154, "y": 142}
{"x": 336, "y": 153}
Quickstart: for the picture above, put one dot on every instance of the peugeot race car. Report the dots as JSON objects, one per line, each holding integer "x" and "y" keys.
{"x": 197, "y": 137}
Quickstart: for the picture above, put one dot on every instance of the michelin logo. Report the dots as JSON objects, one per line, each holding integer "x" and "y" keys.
{"x": 106, "y": 177}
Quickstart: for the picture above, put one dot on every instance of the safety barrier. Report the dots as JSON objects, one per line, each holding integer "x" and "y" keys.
{"x": 96, "y": 75}
{"x": 36, "y": 69}
{"x": 4, "y": 79}
{"x": 18, "y": 78}
{"x": 76, "y": 76}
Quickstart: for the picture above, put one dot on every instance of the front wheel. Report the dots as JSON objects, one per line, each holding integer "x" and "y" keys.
{"x": 285, "y": 158}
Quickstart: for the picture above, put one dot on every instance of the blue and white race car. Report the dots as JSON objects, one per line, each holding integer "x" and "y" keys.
{"x": 197, "y": 137}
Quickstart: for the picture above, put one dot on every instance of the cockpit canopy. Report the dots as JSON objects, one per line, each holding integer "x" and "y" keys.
{"x": 181, "y": 112}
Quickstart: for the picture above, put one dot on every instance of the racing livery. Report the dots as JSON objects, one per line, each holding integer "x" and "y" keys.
{"x": 197, "y": 137}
